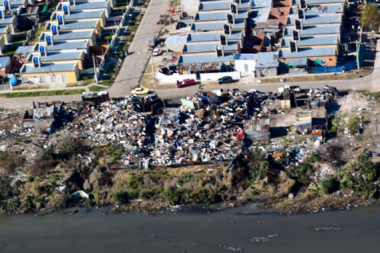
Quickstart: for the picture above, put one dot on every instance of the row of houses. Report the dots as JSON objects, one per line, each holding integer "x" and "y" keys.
{"x": 259, "y": 36}
{"x": 70, "y": 45}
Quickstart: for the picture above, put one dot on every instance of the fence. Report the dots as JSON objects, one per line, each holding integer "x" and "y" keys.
{"x": 332, "y": 69}
{"x": 5, "y": 87}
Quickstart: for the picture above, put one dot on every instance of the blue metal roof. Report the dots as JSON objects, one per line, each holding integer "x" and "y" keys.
{"x": 213, "y": 36}
{"x": 208, "y": 47}
{"x": 220, "y": 5}
{"x": 81, "y": 15}
{"x": 25, "y": 50}
{"x": 72, "y": 25}
{"x": 65, "y": 45}
{"x": 86, "y": 5}
{"x": 4, "y": 60}
{"x": 314, "y": 2}
{"x": 14, "y": 3}
{"x": 314, "y": 30}
{"x": 48, "y": 68}
{"x": 205, "y": 58}
{"x": 308, "y": 52}
{"x": 321, "y": 9}
{"x": 73, "y": 35}
{"x": 315, "y": 19}
{"x": 7, "y": 20}
{"x": 219, "y": 15}
{"x": 58, "y": 56}
{"x": 267, "y": 60}
{"x": 245, "y": 56}
{"x": 259, "y": 15}
{"x": 261, "y": 3}
{"x": 215, "y": 26}
{"x": 312, "y": 40}
{"x": 178, "y": 38}
{"x": 3, "y": 29}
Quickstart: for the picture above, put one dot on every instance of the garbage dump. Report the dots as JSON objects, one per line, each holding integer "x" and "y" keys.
{"x": 207, "y": 127}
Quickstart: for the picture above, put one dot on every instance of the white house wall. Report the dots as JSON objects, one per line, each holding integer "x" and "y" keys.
{"x": 240, "y": 65}
{"x": 215, "y": 76}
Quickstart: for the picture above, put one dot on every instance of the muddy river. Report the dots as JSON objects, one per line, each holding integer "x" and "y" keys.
{"x": 246, "y": 228}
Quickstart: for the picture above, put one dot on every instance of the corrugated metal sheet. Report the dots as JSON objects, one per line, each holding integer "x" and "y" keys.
{"x": 257, "y": 125}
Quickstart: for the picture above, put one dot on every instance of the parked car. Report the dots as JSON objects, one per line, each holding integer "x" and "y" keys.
{"x": 140, "y": 91}
{"x": 185, "y": 83}
{"x": 157, "y": 52}
{"x": 225, "y": 79}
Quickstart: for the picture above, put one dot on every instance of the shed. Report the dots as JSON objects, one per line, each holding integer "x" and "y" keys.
{"x": 245, "y": 62}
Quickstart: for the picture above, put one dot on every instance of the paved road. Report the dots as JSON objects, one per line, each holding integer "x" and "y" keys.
{"x": 134, "y": 64}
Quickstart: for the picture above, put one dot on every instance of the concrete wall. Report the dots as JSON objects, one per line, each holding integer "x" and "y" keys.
{"x": 165, "y": 79}
{"x": 190, "y": 7}
{"x": 240, "y": 65}
{"x": 215, "y": 76}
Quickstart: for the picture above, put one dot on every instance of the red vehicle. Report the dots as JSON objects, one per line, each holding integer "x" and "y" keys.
{"x": 185, "y": 83}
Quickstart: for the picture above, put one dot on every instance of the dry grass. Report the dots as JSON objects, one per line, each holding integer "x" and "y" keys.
{"x": 320, "y": 77}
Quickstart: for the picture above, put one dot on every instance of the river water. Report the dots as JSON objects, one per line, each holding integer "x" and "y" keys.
{"x": 191, "y": 231}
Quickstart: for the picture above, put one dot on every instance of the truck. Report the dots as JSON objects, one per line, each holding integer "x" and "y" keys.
{"x": 151, "y": 40}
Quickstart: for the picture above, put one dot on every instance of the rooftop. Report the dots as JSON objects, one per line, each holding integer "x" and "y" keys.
{"x": 312, "y": 40}
{"x": 80, "y": 15}
{"x": 7, "y": 20}
{"x": 72, "y": 35}
{"x": 48, "y": 67}
{"x": 208, "y": 47}
{"x": 261, "y": 3}
{"x": 205, "y": 58}
{"x": 14, "y": 2}
{"x": 213, "y": 36}
{"x": 321, "y": 9}
{"x": 220, "y": 5}
{"x": 25, "y": 50}
{"x": 66, "y": 45}
{"x": 4, "y": 60}
{"x": 73, "y": 25}
{"x": 219, "y": 15}
{"x": 314, "y": 30}
{"x": 85, "y": 5}
{"x": 245, "y": 56}
{"x": 314, "y": 2}
{"x": 3, "y": 29}
{"x": 267, "y": 60}
{"x": 308, "y": 52}
{"x": 259, "y": 15}
{"x": 215, "y": 26}
{"x": 58, "y": 56}
{"x": 314, "y": 19}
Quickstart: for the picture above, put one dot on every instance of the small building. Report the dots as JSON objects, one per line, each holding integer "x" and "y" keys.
{"x": 5, "y": 66}
{"x": 266, "y": 64}
{"x": 67, "y": 15}
{"x": 5, "y": 32}
{"x": 67, "y": 72}
{"x": 59, "y": 57}
{"x": 245, "y": 62}
{"x": 8, "y": 20}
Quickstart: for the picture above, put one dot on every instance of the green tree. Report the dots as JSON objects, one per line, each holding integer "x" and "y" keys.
{"x": 370, "y": 17}
{"x": 327, "y": 185}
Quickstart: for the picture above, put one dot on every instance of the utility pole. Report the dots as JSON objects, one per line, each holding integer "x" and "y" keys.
{"x": 95, "y": 71}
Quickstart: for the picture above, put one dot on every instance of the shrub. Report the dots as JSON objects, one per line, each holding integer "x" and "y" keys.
{"x": 10, "y": 162}
{"x": 122, "y": 197}
{"x": 328, "y": 185}
{"x": 314, "y": 157}
{"x": 146, "y": 194}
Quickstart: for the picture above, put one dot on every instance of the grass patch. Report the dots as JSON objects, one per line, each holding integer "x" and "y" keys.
{"x": 29, "y": 87}
{"x": 321, "y": 77}
{"x": 107, "y": 81}
{"x": 42, "y": 93}
{"x": 96, "y": 88}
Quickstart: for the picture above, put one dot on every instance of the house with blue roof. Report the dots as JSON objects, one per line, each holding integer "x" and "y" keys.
{"x": 77, "y": 5}
{"x": 37, "y": 72}
{"x": 57, "y": 26}
{"x": 59, "y": 57}
{"x": 68, "y": 15}
{"x": 81, "y": 35}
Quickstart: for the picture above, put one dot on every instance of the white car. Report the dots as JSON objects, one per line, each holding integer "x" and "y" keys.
{"x": 157, "y": 52}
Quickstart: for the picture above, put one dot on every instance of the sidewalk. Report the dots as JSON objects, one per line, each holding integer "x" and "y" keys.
{"x": 375, "y": 84}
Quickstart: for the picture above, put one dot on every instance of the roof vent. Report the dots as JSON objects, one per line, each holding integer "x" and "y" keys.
{"x": 227, "y": 29}
{"x": 298, "y": 24}
{"x": 219, "y": 51}
{"x": 301, "y": 14}
{"x": 234, "y": 8}
{"x": 223, "y": 40}
{"x": 296, "y": 35}
{"x": 303, "y": 4}
{"x": 230, "y": 19}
